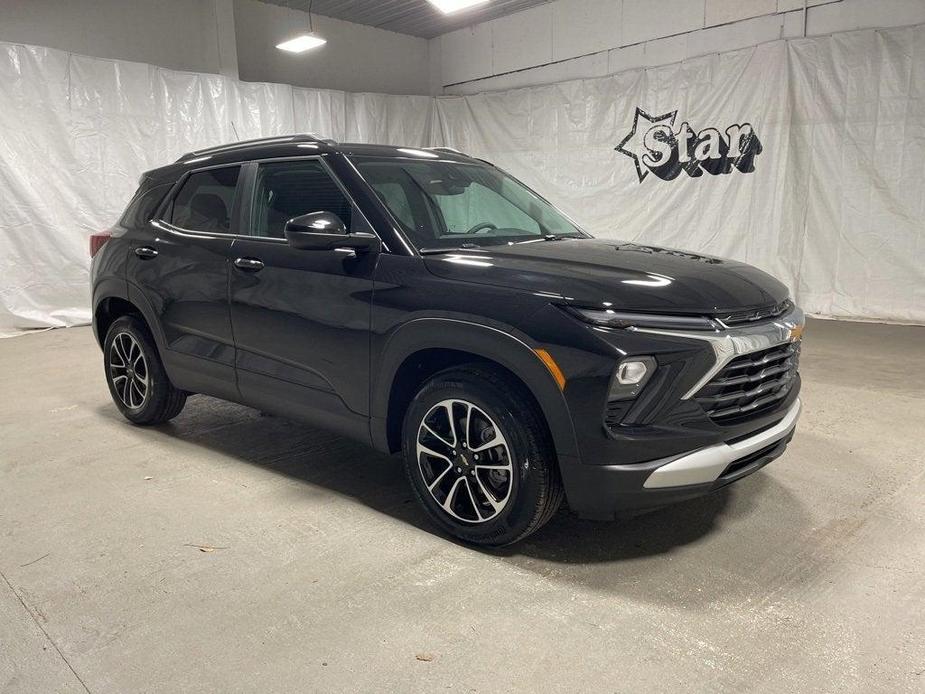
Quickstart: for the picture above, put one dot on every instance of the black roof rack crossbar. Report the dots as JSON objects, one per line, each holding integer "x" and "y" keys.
{"x": 301, "y": 137}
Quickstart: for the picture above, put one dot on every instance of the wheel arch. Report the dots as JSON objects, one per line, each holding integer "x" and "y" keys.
{"x": 108, "y": 310}
{"x": 113, "y": 300}
{"x": 424, "y": 346}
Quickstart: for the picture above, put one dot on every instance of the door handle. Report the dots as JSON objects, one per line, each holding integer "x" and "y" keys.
{"x": 146, "y": 252}
{"x": 249, "y": 264}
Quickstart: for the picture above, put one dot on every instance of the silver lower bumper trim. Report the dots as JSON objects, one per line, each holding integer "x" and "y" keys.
{"x": 707, "y": 464}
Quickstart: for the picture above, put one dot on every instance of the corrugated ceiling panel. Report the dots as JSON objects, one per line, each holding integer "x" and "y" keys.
{"x": 415, "y": 17}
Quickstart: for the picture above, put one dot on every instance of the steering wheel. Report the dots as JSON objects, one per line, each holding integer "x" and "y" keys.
{"x": 487, "y": 226}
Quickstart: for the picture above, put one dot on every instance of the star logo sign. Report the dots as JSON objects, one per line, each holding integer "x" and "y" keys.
{"x": 633, "y": 145}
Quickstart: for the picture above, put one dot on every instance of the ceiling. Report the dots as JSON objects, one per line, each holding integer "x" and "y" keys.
{"x": 415, "y": 17}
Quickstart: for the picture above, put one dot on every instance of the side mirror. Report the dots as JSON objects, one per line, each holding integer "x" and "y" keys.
{"x": 325, "y": 231}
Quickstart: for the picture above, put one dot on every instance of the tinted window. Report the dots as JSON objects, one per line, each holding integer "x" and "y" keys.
{"x": 143, "y": 206}
{"x": 205, "y": 201}
{"x": 398, "y": 201}
{"x": 291, "y": 188}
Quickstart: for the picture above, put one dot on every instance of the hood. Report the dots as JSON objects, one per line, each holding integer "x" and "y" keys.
{"x": 590, "y": 272}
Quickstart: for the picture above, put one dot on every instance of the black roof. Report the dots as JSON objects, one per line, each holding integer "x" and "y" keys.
{"x": 288, "y": 146}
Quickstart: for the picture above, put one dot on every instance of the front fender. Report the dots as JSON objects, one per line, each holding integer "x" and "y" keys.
{"x": 510, "y": 349}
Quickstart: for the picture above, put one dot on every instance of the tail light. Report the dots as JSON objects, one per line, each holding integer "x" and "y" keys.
{"x": 98, "y": 240}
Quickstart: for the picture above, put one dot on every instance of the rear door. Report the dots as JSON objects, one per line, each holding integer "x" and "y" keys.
{"x": 181, "y": 266}
{"x": 301, "y": 318}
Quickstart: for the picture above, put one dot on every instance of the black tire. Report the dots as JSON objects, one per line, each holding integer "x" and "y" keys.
{"x": 535, "y": 487}
{"x": 160, "y": 401}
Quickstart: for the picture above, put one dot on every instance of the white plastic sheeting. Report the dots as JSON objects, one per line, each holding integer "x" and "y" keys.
{"x": 834, "y": 206}
{"x": 76, "y": 133}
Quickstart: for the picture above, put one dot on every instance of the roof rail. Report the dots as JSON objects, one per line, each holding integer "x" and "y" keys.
{"x": 446, "y": 149}
{"x": 280, "y": 139}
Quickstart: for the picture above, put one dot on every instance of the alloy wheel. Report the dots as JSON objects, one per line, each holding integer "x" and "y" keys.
{"x": 465, "y": 461}
{"x": 128, "y": 370}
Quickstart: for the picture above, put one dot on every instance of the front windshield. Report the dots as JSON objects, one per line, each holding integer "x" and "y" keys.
{"x": 443, "y": 204}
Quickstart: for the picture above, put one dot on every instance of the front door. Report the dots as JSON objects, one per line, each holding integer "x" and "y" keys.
{"x": 301, "y": 318}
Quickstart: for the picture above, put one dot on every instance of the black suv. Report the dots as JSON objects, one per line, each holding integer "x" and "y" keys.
{"x": 424, "y": 301}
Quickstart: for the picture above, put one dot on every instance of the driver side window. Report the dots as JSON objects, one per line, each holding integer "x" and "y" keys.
{"x": 477, "y": 205}
{"x": 289, "y": 189}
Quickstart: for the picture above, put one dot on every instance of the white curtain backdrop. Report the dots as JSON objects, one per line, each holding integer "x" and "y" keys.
{"x": 76, "y": 133}
{"x": 834, "y": 206}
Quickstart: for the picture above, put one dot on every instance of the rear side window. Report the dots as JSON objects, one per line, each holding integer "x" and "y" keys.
{"x": 292, "y": 188}
{"x": 205, "y": 201}
{"x": 141, "y": 209}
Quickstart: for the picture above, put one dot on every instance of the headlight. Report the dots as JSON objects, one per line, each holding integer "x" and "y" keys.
{"x": 630, "y": 378}
{"x": 620, "y": 319}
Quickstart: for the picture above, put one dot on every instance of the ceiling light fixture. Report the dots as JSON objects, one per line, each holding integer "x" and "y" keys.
{"x": 450, "y": 6}
{"x": 302, "y": 42}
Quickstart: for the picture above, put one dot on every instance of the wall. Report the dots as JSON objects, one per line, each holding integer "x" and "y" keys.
{"x": 235, "y": 38}
{"x": 356, "y": 58}
{"x": 177, "y": 34}
{"x": 573, "y": 39}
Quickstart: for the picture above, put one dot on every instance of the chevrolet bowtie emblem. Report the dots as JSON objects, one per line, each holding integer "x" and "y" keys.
{"x": 796, "y": 333}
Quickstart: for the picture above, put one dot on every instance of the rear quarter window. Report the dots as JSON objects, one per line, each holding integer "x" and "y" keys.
{"x": 141, "y": 209}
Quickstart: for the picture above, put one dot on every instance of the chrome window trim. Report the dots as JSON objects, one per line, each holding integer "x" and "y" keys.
{"x": 179, "y": 231}
{"x": 734, "y": 342}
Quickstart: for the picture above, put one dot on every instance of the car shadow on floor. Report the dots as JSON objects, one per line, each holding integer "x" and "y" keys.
{"x": 342, "y": 466}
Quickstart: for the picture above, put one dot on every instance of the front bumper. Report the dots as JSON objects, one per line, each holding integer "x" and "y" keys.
{"x": 603, "y": 491}
{"x": 706, "y": 465}
{"x": 664, "y": 446}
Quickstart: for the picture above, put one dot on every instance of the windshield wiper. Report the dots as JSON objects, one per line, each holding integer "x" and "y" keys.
{"x": 545, "y": 237}
{"x": 453, "y": 249}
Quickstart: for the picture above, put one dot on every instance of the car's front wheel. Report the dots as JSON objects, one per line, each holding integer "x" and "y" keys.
{"x": 479, "y": 456}
{"x": 135, "y": 374}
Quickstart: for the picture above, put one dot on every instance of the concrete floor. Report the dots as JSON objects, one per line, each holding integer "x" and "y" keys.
{"x": 808, "y": 576}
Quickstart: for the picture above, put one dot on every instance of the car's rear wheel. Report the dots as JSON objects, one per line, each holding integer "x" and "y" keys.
{"x": 479, "y": 456}
{"x": 135, "y": 374}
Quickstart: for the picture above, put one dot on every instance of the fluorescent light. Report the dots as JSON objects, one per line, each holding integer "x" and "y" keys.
{"x": 302, "y": 43}
{"x": 450, "y": 6}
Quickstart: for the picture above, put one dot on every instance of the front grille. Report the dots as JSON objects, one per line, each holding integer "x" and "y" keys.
{"x": 756, "y": 314}
{"x": 751, "y": 384}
